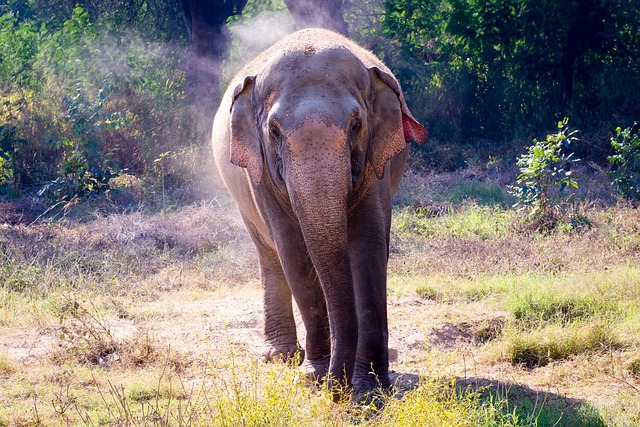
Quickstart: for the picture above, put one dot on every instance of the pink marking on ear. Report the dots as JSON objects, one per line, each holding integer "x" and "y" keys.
{"x": 413, "y": 131}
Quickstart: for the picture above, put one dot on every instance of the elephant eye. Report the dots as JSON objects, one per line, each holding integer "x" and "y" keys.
{"x": 356, "y": 124}
{"x": 279, "y": 170}
{"x": 275, "y": 134}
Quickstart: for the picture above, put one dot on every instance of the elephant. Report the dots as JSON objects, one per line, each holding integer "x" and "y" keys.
{"x": 311, "y": 139}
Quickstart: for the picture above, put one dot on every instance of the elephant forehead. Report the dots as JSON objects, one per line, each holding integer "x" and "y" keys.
{"x": 296, "y": 111}
{"x": 328, "y": 68}
{"x": 316, "y": 137}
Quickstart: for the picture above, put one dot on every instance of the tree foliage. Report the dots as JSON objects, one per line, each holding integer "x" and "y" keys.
{"x": 479, "y": 73}
{"x": 502, "y": 68}
{"x": 53, "y": 74}
{"x": 626, "y": 160}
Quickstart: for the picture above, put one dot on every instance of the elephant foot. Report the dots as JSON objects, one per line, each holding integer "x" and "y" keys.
{"x": 315, "y": 370}
{"x": 369, "y": 388}
{"x": 283, "y": 353}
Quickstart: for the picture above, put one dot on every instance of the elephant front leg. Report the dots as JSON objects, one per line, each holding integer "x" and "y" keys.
{"x": 310, "y": 300}
{"x": 369, "y": 254}
{"x": 307, "y": 292}
{"x": 281, "y": 341}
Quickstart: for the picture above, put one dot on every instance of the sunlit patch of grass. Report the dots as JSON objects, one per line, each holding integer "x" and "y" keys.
{"x": 443, "y": 288}
{"x": 632, "y": 365}
{"x": 553, "y": 298}
{"x": 622, "y": 410}
{"x": 234, "y": 389}
{"x": 472, "y": 221}
{"x": 437, "y": 403}
{"x": 570, "y": 296}
{"x": 540, "y": 346}
{"x": 431, "y": 288}
{"x": 7, "y": 366}
{"x": 433, "y": 403}
{"x": 539, "y": 308}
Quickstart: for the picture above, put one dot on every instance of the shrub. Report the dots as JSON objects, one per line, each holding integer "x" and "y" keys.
{"x": 86, "y": 167}
{"x": 62, "y": 126}
{"x": 626, "y": 175}
{"x": 545, "y": 174}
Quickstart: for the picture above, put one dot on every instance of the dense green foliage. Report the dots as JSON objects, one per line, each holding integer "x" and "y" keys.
{"x": 500, "y": 69}
{"x": 626, "y": 159}
{"x": 86, "y": 167}
{"x": 480, "y": 74}
{"x": 84, "y": 98}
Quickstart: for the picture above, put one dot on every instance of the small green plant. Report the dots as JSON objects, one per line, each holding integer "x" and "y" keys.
{"x": 7, "y": 366}
{"x": 545, "y": 174}
{"x": 626, "y": 175}
{"x": 84, "y": 336}
{"x": 429, "y": 292}
{"x": 633, "y": 365}
{"x": 7, "y": 157}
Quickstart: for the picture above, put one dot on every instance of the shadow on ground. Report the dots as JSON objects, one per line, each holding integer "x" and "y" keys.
{"x": 523, "y": 404}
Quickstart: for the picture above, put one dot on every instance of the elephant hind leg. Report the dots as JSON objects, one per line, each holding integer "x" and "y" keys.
{"x": 281, "y": 341}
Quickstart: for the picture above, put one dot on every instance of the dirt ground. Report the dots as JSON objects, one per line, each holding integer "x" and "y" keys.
{"x": 426, "y": 338}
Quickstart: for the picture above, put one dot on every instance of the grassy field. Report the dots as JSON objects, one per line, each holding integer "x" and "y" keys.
{"x": 132, "y": 316}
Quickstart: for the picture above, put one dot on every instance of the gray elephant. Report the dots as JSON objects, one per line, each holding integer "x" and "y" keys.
{"x": 311, "y": 139}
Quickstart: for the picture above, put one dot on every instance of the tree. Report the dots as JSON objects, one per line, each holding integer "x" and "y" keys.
{"x": 209, "y": 38}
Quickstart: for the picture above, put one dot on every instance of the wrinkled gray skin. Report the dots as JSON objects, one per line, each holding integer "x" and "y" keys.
{"x": 311, "y": 141}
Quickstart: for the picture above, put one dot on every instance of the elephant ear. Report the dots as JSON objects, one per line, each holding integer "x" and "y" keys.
{"x": 393, "y": 124}
{"x": 245, "y": 141}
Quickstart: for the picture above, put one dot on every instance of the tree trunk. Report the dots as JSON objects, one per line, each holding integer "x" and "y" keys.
{"x": 209, "y": 41}
{"x": 324, "y": 14}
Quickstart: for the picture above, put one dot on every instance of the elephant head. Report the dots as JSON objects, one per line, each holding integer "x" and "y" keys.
{"x": 369, "y": 110}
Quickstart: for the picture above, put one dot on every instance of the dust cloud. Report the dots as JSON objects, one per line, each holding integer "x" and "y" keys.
{"x": 250, "y": 36}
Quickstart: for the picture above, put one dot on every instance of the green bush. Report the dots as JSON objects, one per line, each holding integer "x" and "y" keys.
{"x": 86, "y": 166}
{"x": 626, "y": 175}
{"x": 62, "y": 128}
{"x": 545, "y": 174}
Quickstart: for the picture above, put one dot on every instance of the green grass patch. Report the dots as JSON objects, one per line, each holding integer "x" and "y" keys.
{"x": 541, "y": 346}
{"x": 7, "y": 367}
{"x": 437, "y": 403}
{"x": 538, "y": 299}
{"x": 241, "y": 391}
{"x": 442, "y": 288}
{"x": 539, "y": 308}
{"x": 478, "y": 192}
{"x": 472, "y": 221}
{"x": 633, "y": 366}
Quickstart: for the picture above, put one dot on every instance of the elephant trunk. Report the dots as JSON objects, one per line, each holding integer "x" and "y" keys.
{"x": 319, "y": 186}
